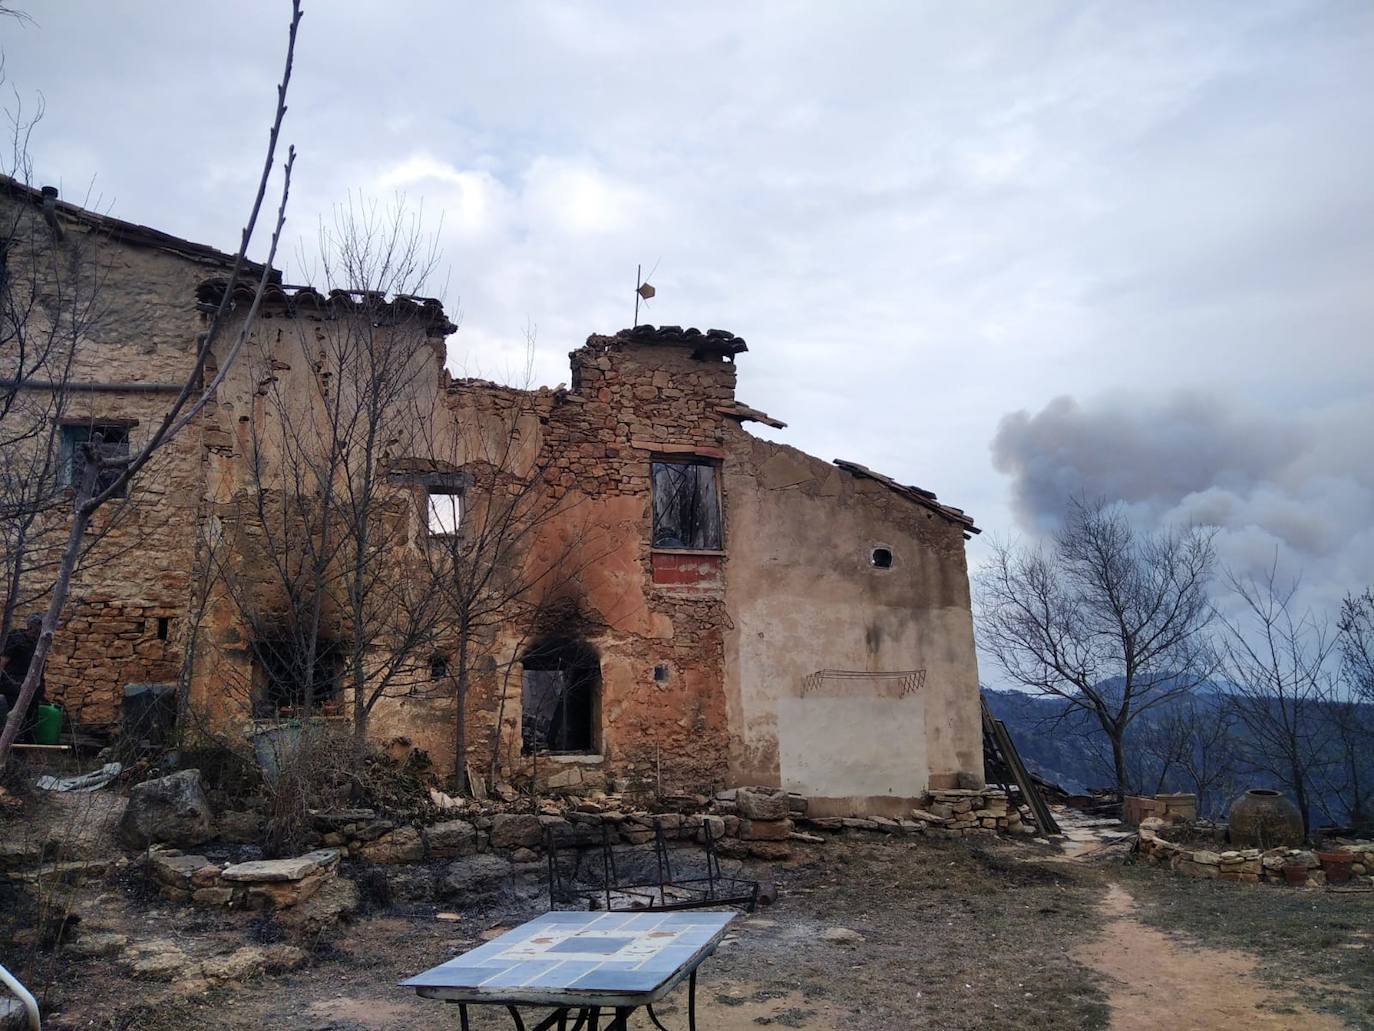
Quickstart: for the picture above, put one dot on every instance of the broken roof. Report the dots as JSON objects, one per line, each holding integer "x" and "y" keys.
{"x": 921, "y": 497}
{"x": 131, "y": 233}
{"x": 426, "y": 311}
{"x": 718, "y": 342}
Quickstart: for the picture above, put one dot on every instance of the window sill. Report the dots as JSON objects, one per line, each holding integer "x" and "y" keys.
{"x": 573, "y": 758}
{"x": 687, "y": 551}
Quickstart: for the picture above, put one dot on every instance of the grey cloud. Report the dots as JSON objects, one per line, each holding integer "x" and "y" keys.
{"x": 1277, "y": 487}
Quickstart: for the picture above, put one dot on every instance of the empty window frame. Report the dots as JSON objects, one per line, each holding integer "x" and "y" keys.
{"x": 686, "y": 504}
{"x": 444, "y": 511}
{"x": 110, "y": 440}
{"x": 560, "y": 693}
{"x": 295, "y": 675}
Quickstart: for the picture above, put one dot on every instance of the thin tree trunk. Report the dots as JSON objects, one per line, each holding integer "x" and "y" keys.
{"x": 460, "y": 736}
{"x": 81, "y": 518}
{"x": 1119, "y": 761}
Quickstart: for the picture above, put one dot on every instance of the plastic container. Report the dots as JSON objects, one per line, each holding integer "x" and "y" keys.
{"x": 47, "y": 724}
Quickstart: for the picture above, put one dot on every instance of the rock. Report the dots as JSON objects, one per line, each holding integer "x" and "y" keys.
{"x": 524, "y": 856}
{"x": 92, "y": 946}
{"x": 284, "y": 894}
{"x": 251, "y": 960}
{"x": 765, "y": 830}
{"x": 212, "y": 896}
{"x": 754, "y": 804}
{"x": 516, "y": 830}
{"x": 927, "y": 816}
{"x": 717, "y": 825}
{"x": 809, "y": 839}
{"x": 505, "y": 792}
{"x": 336, "y": 901}
{"x": 17, "y": 852}
{"x": 239, "y": 827}
{"x": 477, "y": 875}
{"x": 451, "y": 839}
{"x": 1191, "y": 869}
{"x": 1204, "y": 858}
{"x": 403, "y": 845}
{"x": 771, "y": 851}
{"x": 181, "y": 870}
{"x": 156, "y": 958}
{"x": 170, "y": 810}
{"x": 841, "y": 936}
{"x": 275, "y": 870}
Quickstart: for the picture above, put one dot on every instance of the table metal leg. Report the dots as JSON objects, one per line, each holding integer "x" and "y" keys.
{"x": 581, "y": 1019}
{"x": 463, "y": 1016}
{"x": 515, "y": 1016}
{"x": 654, "y": 1017}
{"x": 692, "y": 1001}
{"x": 594, "y": 1019}
{"x": 622, "y": 1019}
{"x": 558, "y": 1016}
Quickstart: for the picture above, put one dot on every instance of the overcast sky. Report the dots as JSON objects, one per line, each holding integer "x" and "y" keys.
{"x": 1002, "y": 251}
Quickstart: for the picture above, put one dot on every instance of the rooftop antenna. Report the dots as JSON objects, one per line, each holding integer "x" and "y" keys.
{"x": 643, "y": 290}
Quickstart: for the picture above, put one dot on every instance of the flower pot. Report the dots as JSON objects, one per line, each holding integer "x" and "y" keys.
{"x": 1336, "y": 866}
{"x": 1295, "y": 874}
{"x": 1261, "y": 818}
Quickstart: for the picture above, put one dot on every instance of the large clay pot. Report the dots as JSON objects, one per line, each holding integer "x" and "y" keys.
{"x": 1261, "y": 818}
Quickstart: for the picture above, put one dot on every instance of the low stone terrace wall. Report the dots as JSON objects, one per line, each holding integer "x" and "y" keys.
{"x": 1252, "y": 865}
{"x": 754, "y": 823}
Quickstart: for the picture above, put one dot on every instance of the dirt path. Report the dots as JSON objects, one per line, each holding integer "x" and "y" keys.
{"x": 1158, "y": 981}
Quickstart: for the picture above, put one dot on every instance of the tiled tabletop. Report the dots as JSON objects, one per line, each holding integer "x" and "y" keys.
{"x": 580, "y": 959}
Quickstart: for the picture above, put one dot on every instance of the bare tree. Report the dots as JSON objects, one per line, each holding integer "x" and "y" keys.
{"x": 1277, "y": 663}
{"x": 106, "y": 475}
{"x": 1109, "y": 619}
{"x": 320, "y": 563}
{"x": 1350, "y": 708}
{"x": 1356, "y": 630}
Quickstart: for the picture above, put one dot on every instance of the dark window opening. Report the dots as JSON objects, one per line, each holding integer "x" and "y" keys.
{"x": 438, "y": 667}
{"x": 882, "y": 558}
{"x": 661, "y": 674}
{"x": 164, "y": 628}
{"x": 686, "y": 505}
{"x": 561, "y": 690}
{"x": 295, "y": 679}
{"x": 109, "y": 441}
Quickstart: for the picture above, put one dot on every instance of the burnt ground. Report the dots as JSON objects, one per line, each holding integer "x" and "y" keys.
{"x": 868, "y": 932}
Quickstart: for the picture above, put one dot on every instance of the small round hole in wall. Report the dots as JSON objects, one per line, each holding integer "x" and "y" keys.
{"x": 881, "y": 558}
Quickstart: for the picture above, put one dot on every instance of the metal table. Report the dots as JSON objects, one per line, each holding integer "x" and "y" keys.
{"x": 578, "y": 965}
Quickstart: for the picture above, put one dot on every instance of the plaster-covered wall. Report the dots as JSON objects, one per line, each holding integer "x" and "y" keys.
{"x": 803, "y": 596}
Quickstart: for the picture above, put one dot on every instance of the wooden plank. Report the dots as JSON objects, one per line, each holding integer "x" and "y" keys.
{"x": 1030, "y": 791}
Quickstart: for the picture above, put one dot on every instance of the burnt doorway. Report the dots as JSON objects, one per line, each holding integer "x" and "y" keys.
{"x": 561, "y": 690}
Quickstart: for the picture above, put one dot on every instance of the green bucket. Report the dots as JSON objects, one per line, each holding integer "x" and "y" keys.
{"x": 47, "y": 725}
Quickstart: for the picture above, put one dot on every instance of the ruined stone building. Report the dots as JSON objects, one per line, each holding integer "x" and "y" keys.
{"x": 703, "y": 607}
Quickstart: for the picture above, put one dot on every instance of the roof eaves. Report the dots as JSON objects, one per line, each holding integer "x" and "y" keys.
{"x": 924, "y": 498}
{"x": 133, "y": 234}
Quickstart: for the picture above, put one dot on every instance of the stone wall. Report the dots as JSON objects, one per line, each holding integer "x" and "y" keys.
{"x": 137, "y": 325}
{"x": 1249, "y": 866}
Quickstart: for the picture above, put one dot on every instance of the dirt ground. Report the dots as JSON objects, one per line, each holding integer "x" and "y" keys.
{"x": 867, "y": 932}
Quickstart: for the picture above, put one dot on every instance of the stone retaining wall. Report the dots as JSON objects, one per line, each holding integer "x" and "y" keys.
{"x": 1251, "y": 865}
{"x": 756, "y": 823}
